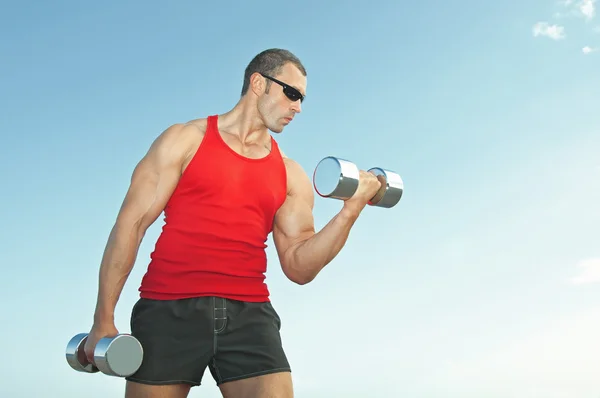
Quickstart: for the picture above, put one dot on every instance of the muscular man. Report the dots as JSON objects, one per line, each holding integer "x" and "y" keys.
{"x": 224, "y": 185}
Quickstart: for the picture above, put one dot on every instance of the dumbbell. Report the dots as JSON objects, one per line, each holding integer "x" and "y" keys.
{"x": 119, "y": 356}
{"x": 338, "y": 178}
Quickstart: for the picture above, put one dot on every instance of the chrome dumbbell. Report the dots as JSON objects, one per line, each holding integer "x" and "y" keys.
{"x": 338, "y": 178}
{"x": 119, "y": 356}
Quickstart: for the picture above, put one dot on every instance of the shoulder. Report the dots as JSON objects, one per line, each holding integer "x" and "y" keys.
{"x": 181, "y": 133}
{"x": 179, "y": 140}
{"x": 295, "y": 172}
{"x": 293, "y": 168}
{"x": 298, "y": 181}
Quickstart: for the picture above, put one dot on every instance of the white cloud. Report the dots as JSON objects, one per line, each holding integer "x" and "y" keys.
{"x": 555, "y": 32}
{"x": 587, "y": 8}
{"x": 579, "y": 9}
{"x": 588, "y": 50}
{"x": 589, "y": 272}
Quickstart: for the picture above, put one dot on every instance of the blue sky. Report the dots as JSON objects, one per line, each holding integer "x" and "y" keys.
{"x": 482, "y": 282}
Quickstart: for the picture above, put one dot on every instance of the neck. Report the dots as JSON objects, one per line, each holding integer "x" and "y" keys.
{"x": 244, "y": 122}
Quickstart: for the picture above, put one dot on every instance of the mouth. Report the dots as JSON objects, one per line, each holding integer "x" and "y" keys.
{"x": 287, "y": 119}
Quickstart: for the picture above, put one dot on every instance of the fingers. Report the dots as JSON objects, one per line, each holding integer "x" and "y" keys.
{"x": 89, "y": 355}
{"x": 89, "y": 350}
{"x": 381, "y": 190}
{"x": 369, "y": 186}
{"x": 370, "y": 179}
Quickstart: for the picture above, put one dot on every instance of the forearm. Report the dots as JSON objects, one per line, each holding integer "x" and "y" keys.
{"x": 117, "y": 263}
{"x": 309, "y": 257}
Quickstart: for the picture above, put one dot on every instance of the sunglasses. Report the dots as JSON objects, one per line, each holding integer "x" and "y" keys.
{"x": 289, "y": 91}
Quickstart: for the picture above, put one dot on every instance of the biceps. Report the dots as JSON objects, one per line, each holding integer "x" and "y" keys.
{"x": 294, "y": 223}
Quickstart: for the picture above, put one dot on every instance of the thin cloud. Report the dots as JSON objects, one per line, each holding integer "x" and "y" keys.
{"x": 589, "y": 272}
{"x": 588, "y": 50}
{"x": 583, "y": 9}
{"x": 554, "y": 32}
{"x": 559, "y": 358}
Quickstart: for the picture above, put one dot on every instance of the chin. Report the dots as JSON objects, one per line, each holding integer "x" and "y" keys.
{"x": 277, "y": 128}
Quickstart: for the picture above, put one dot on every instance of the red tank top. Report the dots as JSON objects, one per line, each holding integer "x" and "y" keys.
{"x": 216, "y": 225}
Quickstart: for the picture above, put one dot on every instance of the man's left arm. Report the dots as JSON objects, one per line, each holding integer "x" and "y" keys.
{"x": 302, "y": 252}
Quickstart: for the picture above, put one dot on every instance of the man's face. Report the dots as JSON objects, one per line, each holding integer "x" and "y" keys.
{"x": 276, "y": 107}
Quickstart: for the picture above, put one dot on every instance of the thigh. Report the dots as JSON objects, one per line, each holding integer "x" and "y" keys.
{"x": 137, "y": 390}
{"x": 247, "y": 342}
{"x": 177, "y": 340}
{"x": 274, "y": 385}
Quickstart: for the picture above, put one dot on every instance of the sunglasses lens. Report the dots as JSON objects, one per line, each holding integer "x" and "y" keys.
{"x": 292, "y": 94}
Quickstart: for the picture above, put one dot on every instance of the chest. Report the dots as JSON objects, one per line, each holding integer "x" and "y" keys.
{"x": 234, "y": 182}
{"x": 252, "y": 151}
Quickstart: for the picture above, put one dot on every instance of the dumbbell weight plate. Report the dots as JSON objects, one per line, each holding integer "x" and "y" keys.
{"x": 335, "y": 178}
{"x": 118, "y": 356}
{"x": 391, "y": 190}
{"x": 76, "y": 356}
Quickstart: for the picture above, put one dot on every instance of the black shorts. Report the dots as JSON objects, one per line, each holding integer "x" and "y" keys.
{"x": 181, "y": 338}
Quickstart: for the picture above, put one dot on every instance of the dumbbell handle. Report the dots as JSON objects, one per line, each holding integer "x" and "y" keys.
{"x": 76, "y": 357}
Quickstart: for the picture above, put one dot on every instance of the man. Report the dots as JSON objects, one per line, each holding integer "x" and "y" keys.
{"x": 224, "y": 185}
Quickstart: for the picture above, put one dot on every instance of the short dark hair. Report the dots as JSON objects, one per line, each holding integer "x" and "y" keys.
{"x": 270, "y": 62}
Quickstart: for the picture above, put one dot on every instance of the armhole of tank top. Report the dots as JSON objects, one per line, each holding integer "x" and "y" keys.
{"x": 194, "y": 159}
{"x": 275, "y": 145}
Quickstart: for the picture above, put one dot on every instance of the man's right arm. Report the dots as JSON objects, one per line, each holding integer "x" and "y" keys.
{"x": 152, "y": 183}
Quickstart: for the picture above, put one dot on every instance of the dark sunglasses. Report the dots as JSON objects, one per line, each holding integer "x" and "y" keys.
{"x": 289, "y": 91}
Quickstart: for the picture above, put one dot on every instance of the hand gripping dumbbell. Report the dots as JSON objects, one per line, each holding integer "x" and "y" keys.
{"x": 338, "y": 178}
{"x": 119, "y": 356}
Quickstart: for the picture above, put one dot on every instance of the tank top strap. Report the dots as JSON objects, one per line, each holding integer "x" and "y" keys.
{"x": 275, "y": 149}
{"x": 212, "y": 126}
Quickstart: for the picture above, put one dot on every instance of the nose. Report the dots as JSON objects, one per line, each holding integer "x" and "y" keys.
{"x": 297, "y": 106}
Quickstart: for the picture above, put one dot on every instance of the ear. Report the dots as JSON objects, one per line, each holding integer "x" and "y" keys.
{"x": 257, "y": 84}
